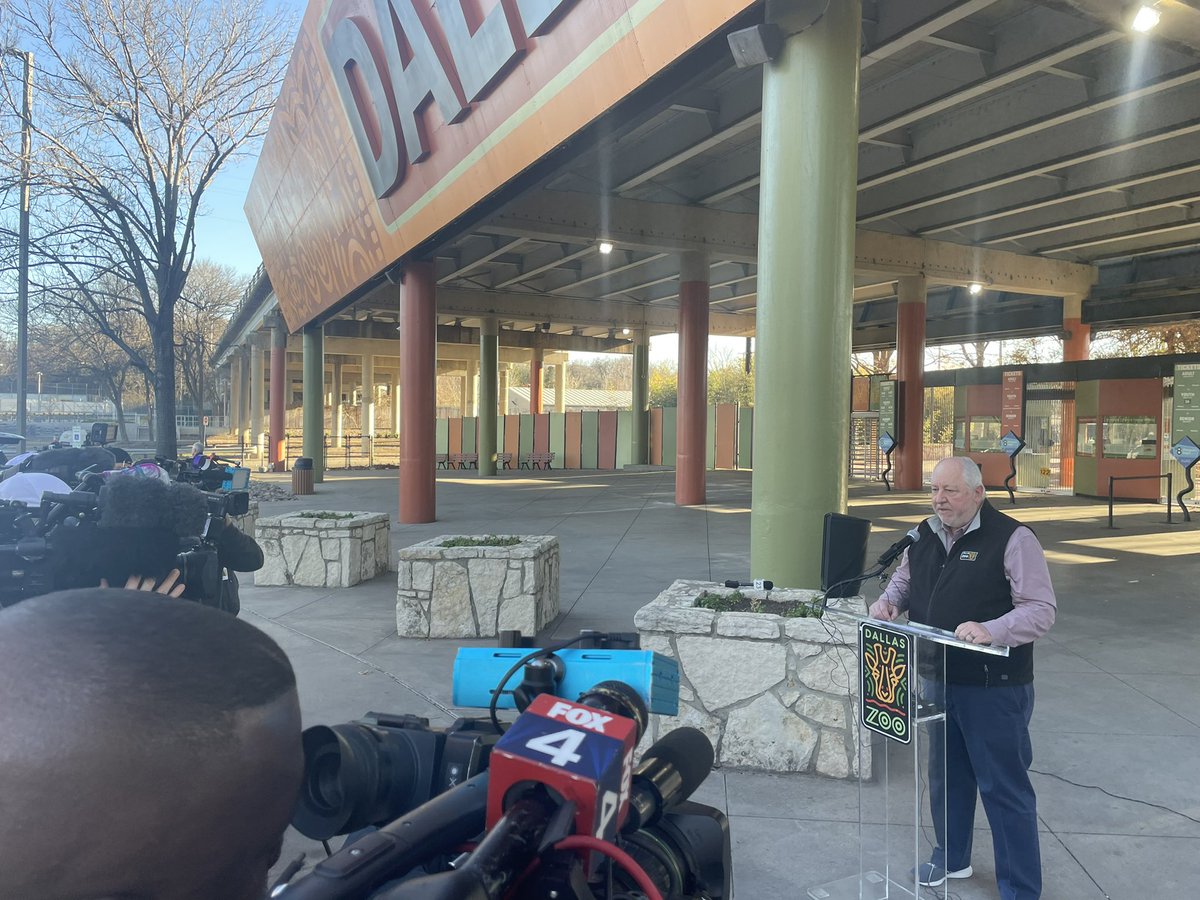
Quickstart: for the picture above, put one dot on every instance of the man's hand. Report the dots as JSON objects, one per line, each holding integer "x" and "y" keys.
{"x": 973, "y": 633}
{"x": 167, "y": 586}
{"x": 881, "y": 609}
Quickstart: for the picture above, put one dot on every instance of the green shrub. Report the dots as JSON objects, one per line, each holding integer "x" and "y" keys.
{"x": 491, "y": 540}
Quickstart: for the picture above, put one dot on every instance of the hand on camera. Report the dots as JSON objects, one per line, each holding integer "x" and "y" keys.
{"x": 170, "y": 585}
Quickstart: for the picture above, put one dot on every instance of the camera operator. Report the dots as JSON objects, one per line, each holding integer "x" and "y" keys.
{"x": 136, "y": 503}
{"x": 131, "y": 763}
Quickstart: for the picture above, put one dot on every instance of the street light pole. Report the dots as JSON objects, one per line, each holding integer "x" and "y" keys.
{"x": 23, "y": 247}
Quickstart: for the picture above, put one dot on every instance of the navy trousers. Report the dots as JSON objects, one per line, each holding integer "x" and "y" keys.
{"x": 988, "y": 751}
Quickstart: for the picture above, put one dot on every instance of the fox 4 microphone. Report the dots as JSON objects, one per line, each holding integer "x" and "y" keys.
{"x": 581, "y": 754}
{"x": 561, "y": 768}
{"x": 890, "y": 555}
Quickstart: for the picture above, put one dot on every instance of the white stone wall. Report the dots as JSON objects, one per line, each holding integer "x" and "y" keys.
{"x": 477, "y": 591}
{"x": 299, "y": 549}
{"x": 771, "y": 693}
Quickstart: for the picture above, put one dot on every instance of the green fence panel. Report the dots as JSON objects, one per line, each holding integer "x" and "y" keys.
{"x": 443, "y": 435}
{"x": 525, "y": 447}
{"x": 668, "y": 436}
{"x": 710, "y": 439}
{"x": 469, "y": 444}
{"x": 589, "y": 455}
{"x": 745, "y": 451}
{"x": 624, "y": 430}
{"x": 558, "y": 439}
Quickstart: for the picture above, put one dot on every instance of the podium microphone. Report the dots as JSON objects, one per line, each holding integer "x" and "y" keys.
{"x": 890, "y": 555}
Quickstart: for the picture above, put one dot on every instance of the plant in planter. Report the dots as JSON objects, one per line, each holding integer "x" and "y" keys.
{"x": 772, "y": 683}
{"x": 477, "y": 586}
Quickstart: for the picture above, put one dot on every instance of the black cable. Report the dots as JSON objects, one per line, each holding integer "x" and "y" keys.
{"x": 546, "y": 651}
{"x": 328, "y": 849}
{"x": 1096, "y": 787}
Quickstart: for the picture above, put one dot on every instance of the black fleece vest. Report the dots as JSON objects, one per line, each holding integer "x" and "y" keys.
{"x": 968, "y": 585}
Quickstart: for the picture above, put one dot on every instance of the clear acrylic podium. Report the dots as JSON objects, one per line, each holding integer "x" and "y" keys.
{"x": 901, "y": 759}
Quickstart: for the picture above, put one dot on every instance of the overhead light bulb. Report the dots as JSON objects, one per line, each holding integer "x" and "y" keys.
{"x": 1145, "y": 19}
{"x": 625, "y": 331}
{"x": 975, "y": 288}
{"x": 606, "y": 247}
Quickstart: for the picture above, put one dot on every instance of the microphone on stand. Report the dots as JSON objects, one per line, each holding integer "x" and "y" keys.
{"x": 892, "y": 553}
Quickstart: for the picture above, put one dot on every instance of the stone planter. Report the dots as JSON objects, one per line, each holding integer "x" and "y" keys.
{"x": 300, "y": 549}
{"x": 772, "y": 693}
{"x": 477, "y": 591}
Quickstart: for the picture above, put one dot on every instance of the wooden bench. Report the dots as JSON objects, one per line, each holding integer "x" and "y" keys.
{"x": 505, "y": 460}
{"x": 443, "y": 460}
{"x": 464, "y": 460}
{"x": 537, "y": 461}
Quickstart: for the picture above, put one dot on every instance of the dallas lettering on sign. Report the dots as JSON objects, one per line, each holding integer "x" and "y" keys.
{"x": 388, "y": 74}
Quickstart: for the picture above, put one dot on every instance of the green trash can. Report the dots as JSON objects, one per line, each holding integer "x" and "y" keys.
{"x": 302, "y": 476}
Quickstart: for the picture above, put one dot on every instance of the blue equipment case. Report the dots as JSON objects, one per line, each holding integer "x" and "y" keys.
{"x": 477, "y": 671}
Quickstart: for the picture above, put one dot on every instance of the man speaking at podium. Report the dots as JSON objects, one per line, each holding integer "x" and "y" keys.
{"x": 982, "y": 575}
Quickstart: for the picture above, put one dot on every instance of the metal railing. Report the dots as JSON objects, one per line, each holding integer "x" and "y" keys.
{"x": 1112, "y": 479}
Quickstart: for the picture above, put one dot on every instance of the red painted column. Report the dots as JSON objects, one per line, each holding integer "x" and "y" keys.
{"x": 418, "y": 394}
{"x": 691, "y": 421}
{"x": 278, "y": 399}
{"x": 1077, "y": 337}
{"x": 535, "y": 381}
{"x": 910, "y": 372}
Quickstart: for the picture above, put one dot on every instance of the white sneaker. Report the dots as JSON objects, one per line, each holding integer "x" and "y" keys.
{"x": 931, "y": 875}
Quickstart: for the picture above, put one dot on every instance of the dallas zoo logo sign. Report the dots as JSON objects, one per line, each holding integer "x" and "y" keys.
{"x": 886, "y": 699}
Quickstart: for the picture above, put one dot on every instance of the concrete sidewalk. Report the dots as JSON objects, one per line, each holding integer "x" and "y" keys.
{"x": 1116, "y": 729}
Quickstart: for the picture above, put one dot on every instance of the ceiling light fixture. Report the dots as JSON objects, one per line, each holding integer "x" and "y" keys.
{"x": 1145, "y": 19}
{"x": 606, "y": 247}
{"x": 975, "y": 288}
{"x": 625, "y": 331}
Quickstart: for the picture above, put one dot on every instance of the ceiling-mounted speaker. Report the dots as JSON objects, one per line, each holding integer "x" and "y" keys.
{"x": 755, "y": 46}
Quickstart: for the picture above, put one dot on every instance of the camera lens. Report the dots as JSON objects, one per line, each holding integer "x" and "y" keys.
{"x": 619, "y": 698}
{"x": 356, "y": 775}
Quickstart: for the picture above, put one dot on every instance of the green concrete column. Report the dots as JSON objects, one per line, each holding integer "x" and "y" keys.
{"x": 560, "y": 387}
{"x": 502, "y": 398}
{"x": 235, "y": 393}
{"x": 314, "y": 399}
{"x": 911, "y": 293}
{"x": 489, "y": 355}
{"x": 805, "y": 282}
{"x": 639, "y": 445}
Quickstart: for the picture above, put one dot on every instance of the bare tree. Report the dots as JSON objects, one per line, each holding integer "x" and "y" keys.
{"x": 1154, "y": 340}
{"x": 212, "y": 295}
{"x": 72, "y": 346}
{"x": 139, "y": 105}
{"x": 877, "y": 362}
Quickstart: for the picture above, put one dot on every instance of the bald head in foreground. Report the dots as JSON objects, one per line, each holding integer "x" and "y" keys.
{"x": 149, "y": 748}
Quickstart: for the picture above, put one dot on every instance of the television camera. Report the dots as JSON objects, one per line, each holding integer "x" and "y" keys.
{"x": 549, "y": 807}
{"x": 110, "y": 530}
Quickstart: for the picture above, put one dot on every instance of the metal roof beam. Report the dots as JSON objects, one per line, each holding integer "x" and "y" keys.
{"x": 923, "y": 23}
{"x": 499, "y": 248}
{"x": 993, "y": 82}
{"x": 1098, "y": 218}
{"x": 1104, "y": 187}
{"x": 558, "y": 216}
{"x": 574, "y": 311}
{"x": 997, "y": 138}
{"x": 565, "y": 256}
{"x": 1041, "y": 167}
